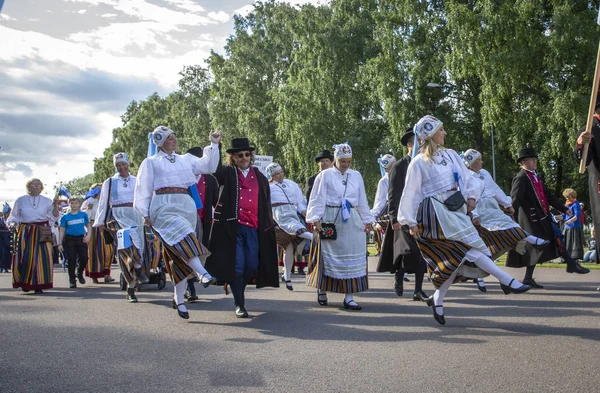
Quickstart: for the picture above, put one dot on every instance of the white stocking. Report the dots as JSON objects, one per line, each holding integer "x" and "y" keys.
{"x": 440, "y": 293}
{"x": 487, "y": 265}
{"x": 288, "y": 261}
{"x": 195, "y": 264}
{"x": 179, "y": 290}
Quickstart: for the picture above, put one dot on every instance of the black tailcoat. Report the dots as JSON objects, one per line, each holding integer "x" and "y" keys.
{"x": 222, "y": 244}
{"x": 532, "y": 218}
{"x": 211, "y": 194}
{"x": 399, "y": 248}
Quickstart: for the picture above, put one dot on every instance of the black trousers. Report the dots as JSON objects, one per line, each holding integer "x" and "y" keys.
{"x": 75, "y": 249}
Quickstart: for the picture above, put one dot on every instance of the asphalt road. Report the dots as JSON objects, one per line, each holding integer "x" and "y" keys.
{"x": 91, "y": 340}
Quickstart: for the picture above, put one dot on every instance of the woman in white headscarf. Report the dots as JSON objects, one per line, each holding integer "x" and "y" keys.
{"x": 162, "y": 198}
{"x": 115, "y": 212}
{"x": 497, "y": 229}
{"x": 287, "y": 201}
{"x": 437, "y": 203}
{"x": 338, "y": 197}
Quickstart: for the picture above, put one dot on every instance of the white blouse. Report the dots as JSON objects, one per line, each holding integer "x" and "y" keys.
{"x": 158, "y": 172}
{"x": 490, "y": 189}
{"x": 28, "y": 209}
{"x": 288, "y": 192}
{"x": 380, "y": 203}
{"x": 328, "y": 190}
{"x": 427, "y": 179}
{"x": 121, "y": 191}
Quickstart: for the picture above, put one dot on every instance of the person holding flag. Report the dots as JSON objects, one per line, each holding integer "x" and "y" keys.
{"x": 115, "y": 213}
{"x": 338, "y": 204}
{"x": 380, "y": 206}
{"x": 162, "y": 198}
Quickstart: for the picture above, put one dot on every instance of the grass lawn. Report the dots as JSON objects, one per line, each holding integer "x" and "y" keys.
{"x": 501, "y": 261}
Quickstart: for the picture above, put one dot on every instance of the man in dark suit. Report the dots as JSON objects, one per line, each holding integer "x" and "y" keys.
{"x": 400, "y": 252}
{"x": 325, "y": 161}
{"x": 532, "y": 201}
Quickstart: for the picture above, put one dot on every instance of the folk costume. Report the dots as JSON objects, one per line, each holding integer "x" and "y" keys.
{"x": 573, "y": 230}
{"x": 311, "y": 180}
{"x": 532, "y": 201}
{"x": 115, "y": 212}
{"x": 339, "y": 265}
{"x": 161, "y": 196}
{"x": 208, "y": 191}
{"x": 32, "y": 263}
{"x": 243, "y": 238}
{"x": 433, "y": 202}
{"x": 100, "y": 251}
{"x": 288, "y": 203}
{"x": 380, "y": 205}
{"x": 5, "y": 239}
{"x": 400, "y": 253}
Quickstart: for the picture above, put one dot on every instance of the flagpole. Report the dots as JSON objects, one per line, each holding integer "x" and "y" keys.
{"x": 591, "y": 111}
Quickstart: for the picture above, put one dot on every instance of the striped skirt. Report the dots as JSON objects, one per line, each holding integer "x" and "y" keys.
{"x": 284, "y": 239}
{"x": 443, "y": 255}
{"x": 32, "y": 266}
{"x": 100, "y": 255}
{"x": 501, "y": 241}
{"x": 177, "y": 255}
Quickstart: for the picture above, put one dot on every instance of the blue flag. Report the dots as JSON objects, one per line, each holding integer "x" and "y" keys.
{"x": 92, "y": 192}
{"x": 346, "y": 206}
{"x": 1, "y": 4}
{"x": 5, "y": 207}
{"x": 152, "y": 148}
{"x": 64, "y": 191}
{"x": 124, "y": 238}
{"x": 195, "y": 196}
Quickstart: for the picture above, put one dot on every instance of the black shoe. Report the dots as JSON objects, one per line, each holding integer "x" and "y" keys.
{"x": 322, "y": 299}
{"x": 80, "y": 278}
{"x": 240, "y": 312}
{"x": 141, "y": 277}
{"x": 577, "y": 268}
{"x": 25, "y": 290}
{"x": 420, "y": 296}
{"x": 131, "y": 298}
{"x": 405, "y": 279}
{"x": 73, "y": 285}
{"x": 352, "y": 305}
{"x": 182, "y": 314}
{"x": 531, "y": 282}
{"x": 481, "y": 287}
{"x": 209, "y": 282}
{"x": 399, "y": 285}
{"x": 439, "y": 318}
{"x": 38, "y": 291}
{"x": 192, "y": 297}
{"x": 508, "y": 289}
{"x": 288, "y": 285}
{"x": 540, "y": 245}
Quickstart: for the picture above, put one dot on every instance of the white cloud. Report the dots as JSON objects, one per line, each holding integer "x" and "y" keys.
{"x": 6, "y": 17}
{"x": 244, "y": 11}
{"x": 108, "y": 15}
{"x": 81, "y": 11}
{"x": 186, "y": 5}
{"x": 220, "y": 16}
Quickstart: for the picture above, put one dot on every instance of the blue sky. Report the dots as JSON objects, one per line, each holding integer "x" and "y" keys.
{"x": 70, "y": 67}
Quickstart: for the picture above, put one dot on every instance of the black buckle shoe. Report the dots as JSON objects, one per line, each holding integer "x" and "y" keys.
{"x": 439, "y": 318}
{"x": 531, "y": 282}
{"x": 182, "y": 314}
{"x": 420, "y": 296}
{"x": 577, "y": 268}
{"x": 240, "y": 312}
{"x": 508, "y": 289}
{"x": 207, "y": 283}
{"x": 288, "y": 285}
{"x": 350, "y": 306}
{"x": 322, "y": 299}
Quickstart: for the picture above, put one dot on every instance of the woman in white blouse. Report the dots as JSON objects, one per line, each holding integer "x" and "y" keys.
{"x": 497, "y": 229}
{"x": 434, "y": 208}
{"x": 287, "y": 201}
{"x": 32, "y": 266}
{"x": 115, "y": 212}
{"x": 338, "y": 196}
{"x": 162, "y": 198}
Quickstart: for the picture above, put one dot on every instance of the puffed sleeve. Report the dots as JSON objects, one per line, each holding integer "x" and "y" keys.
{"x": 363, "y": 204}
{"x": 380, "y": 198}
{"x": 209, "y": 161}
{"x": 299, "y": 198}
{"x": 15, "y": 217}
{"x": 502, "y": 199}
{"x": 411, "y": 196}
{"x": 102, "y": 204}
{"x": 144, "y": 186}
{"x": 318, "y": 199}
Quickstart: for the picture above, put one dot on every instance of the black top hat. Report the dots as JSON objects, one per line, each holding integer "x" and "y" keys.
{"x": 324, "y": 154}
{"x": 240, "y": 144}
{"x": 407, "y": 134}
{"x": 196, "y": 151}
{"x": 526, "y": 152}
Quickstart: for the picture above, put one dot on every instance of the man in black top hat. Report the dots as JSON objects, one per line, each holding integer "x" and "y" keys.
{"x": 242, "y": 237}
{"x": 400, "y": 253}
{"x": 325, "y": 161}
{"x": 532, "y": 201}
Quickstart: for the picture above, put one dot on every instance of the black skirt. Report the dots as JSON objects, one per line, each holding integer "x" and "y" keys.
{"x": 574, "y": 242}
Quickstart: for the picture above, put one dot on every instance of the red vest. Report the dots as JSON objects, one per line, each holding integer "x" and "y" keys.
{"x": 539, "y": 190}
{"x": 201, "y": 186}
{"x": 248, "y": 202}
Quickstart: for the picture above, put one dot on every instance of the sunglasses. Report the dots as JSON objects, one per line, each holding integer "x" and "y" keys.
{"x": 242, "y": 155}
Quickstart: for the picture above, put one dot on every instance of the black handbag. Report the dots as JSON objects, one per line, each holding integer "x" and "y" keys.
{"x": 455, "y": 201}
{"x": 329, "y": 231}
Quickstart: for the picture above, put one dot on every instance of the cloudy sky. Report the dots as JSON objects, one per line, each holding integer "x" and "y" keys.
{"x": 70, "y": 67}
